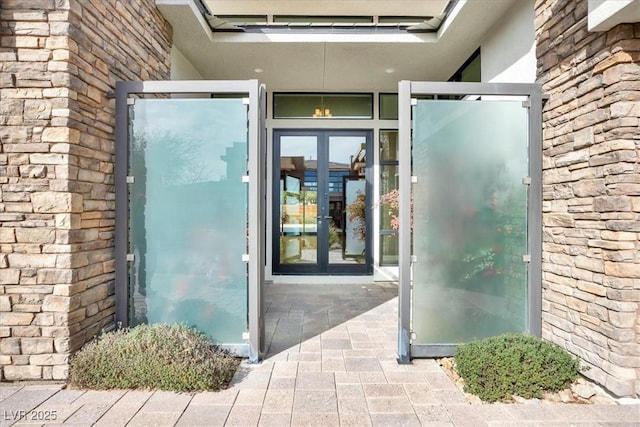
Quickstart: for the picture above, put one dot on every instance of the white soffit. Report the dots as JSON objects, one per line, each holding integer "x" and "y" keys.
{"x": 606, "y": 14}
{"x": 338, "y": 63}
{"x": 185, "y": 16}
{"x": 328, "y": 7}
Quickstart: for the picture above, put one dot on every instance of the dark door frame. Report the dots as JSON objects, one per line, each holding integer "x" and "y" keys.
{"x": 323, "y": 267}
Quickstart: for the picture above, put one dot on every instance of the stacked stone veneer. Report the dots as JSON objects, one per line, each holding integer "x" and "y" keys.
{"x": 58, "y": 61}
{"x": 591, "y": 186}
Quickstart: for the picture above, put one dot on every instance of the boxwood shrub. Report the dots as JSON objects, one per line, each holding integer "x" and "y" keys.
{"x": 499, "y": 367}
{"x": 162, "y": 356}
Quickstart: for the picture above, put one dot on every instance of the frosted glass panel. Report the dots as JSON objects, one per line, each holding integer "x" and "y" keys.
{"x": 188, "y": 214}
{"x": 470, "y": 221}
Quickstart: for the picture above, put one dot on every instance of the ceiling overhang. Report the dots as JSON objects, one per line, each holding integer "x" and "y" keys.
{"x": 331, "y": 60}
{"x": 328, "y": 7}
{"x": 606, "y": 14}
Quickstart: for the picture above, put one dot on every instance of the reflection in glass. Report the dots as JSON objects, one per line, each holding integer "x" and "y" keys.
{"x": 389, "y": 249}
{"x": 389, "y": 197}
{"x": 323, "y": 105}
{"x": 388, "y": 145}
{"x": 188, "y": 214}
{"x": 470, "y": 220}
{"x": 322, "y": 218}
{"x": 298, "y": 200}
{"x": 347, "y": 191}
{"x": 388, "y": 204}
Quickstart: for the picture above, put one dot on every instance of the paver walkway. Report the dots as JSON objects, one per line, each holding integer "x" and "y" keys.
{"x": 331, "y": 362}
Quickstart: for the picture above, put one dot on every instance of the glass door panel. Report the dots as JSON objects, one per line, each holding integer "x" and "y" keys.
{"x": 298, "y": 219}
{"x": 347, "y": 198}
{"x": 322, "y": 200}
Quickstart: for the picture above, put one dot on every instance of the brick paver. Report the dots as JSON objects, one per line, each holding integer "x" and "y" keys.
{"x": 345, "y": 374}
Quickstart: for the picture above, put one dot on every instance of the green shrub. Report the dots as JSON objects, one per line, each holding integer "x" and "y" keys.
{"x": 500, "y": 367}
{"x": 167, "y": 357}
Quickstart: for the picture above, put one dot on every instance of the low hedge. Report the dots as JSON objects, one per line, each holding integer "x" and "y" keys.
{"x": 499, "y": 367}
{"x": 162, "y": 356}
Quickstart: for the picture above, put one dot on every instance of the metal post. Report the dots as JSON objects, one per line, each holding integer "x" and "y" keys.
{"x": 404, "y": 167}
{"x": 255, "y": 222}
{"x": 535, "y": 214}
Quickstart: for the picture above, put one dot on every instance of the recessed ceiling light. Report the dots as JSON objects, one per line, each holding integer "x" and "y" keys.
{"x": 389, "y": 70}
{"x": 258, "y": 70}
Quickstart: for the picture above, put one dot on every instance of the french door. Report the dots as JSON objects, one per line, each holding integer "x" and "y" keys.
{"x": 322, "y": 202}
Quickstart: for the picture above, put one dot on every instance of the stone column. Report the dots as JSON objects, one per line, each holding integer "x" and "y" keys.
{"x": 58, "y": 61}
{"x": 591, "y": 186}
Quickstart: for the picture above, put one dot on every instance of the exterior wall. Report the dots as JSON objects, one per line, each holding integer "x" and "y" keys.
{"x": 182, "y": 68}
{"x": 508, "y": 49}
{"x": 591, "y": 185}
{"x": 59, "y": 59}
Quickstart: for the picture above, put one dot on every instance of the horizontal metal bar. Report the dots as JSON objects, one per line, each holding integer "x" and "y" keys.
{"x": 240, "y": 350}
{"x": 188, "y": 86}
{"x": 433, "y": 350}
{"x": 464, "y": 88}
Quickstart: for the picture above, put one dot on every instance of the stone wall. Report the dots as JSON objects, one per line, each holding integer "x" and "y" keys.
{"x": 591, "y": 186}
{"x": 58, "y": 61}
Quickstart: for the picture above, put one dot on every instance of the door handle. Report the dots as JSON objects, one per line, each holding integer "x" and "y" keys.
{"x": 325, "y": 217}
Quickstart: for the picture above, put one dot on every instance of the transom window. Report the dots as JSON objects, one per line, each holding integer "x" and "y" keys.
{"x": 322, "y": 105}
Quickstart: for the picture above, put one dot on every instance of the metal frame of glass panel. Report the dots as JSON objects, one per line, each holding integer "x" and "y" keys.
{"x": 534, "y": 98}
{"x": 256, "y": 94}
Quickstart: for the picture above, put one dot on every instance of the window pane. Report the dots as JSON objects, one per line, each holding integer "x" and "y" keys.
{"x": 347, "y": 233}
{"x": 315, "y": 105}
{"x": 471, "y": 73}
{"x": 389, "y": 249}
{"x": 298, "y": 203}
{"x": 295, "y": 105}
{"x": 352, "y": 106}
{"x": 403, "y": 20}
{"x": 388, "y": 197}
{"x": 188, "y": 157}
{"x": 389, "y": 106}
{"x": 317, "y": 19}
{"x": 388, "y": 145}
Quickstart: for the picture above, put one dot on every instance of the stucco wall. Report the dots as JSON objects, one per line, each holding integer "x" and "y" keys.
{"x": 507, "y": 50}
{"x": 181, "y": 67}
{"x": 591, "y": 186}
{"x": 59, "y": 60}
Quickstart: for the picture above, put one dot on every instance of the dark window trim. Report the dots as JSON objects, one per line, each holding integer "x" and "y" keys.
{"x": 457, "y": 76}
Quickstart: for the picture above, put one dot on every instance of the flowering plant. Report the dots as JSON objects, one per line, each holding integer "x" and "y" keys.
{"x": 392, "y": 201}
